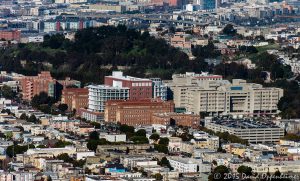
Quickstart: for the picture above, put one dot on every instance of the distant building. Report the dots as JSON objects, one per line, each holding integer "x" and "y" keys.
{"x": 34, "y": 85}
{"x": 68, "y": 82}
{"x": 99, "y": 94}
{"x": 10, "y": 35}
{"x": 181, "y": 40}
{"x": 139, "y": 88}
{"x": 91, "y": 115}
{"x": 203, "y": 93}
{"x": 113, "y": 137}
{"x": 159, "y": 90}
{"x": 104, "y": 7}
{"x": 175, "y": 3}
{"x": 188, "y": 165}
{"x": 253, "y": 131}
{"x": 135, "y": 112}
{"x": 44, "y": 82}
{"x": 189, "y": 120}
{"x": 207, "y": 4}
{"x": 75, "y": 98}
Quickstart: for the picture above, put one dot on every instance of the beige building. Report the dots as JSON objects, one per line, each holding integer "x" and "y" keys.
{"x": 273, "y": 166}
{"x": 203, "y": 93}
{"x": 104, "y": 7}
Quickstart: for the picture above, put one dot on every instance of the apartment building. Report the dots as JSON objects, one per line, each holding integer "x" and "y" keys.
{"x": 203, "y": 93}
{"x": 44, "y": 82}
{"x": 287, "y": 167}
{"x": 135, "y": 112}
{"x": 251, "y": 130}
{"x": 188, "y": 165}
{"x": 99, "y": 94}
{"x": 75, "y": 98}
{"x": 10, "y": 35}
{"x": 64, "y": 125}
{"x": 181, "y": 40}
{"x": 139, "y": 88}
{"x": 34, "y": 85}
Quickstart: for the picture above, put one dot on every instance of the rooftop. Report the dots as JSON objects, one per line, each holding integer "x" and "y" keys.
{"x": 244, "y": 123}
{"x": 105, "y": 87}
{"x": 119, "y": 75}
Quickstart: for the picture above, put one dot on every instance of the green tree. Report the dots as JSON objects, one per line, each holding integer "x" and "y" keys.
{"x": 13, "y": 150}
{"x": 62, "y": 144}
{"x": 63, "y": 107}
{"x": 163, "y": 141}
{"x": 161, "y": 148}
{"x": 164, "y": 162}
{"x": 9, "y": 135}
{"x": 7, "y": 92}
{"x": 65, "y": 157}
{"x": 154, "y": 136}
{"x": 141, "y": 132}
{"x": 245, "y": 170}
{"x": 23, "y": 116}
{"x": 126, "y": 129}
{"x": 93, "y": 144}
{"x": 42, "y": 99}
{"x": 33, "y": 119}
{"x": 229, "y": 30}
{"x": 158, "y": 176}
{"x": 139, "y": 140}
{"x": 94, "y": 135}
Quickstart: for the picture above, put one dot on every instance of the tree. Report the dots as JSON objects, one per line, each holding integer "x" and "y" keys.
{"x": 49, "y": 178}
{"x": 158, "y": 176}
{"x": 229, "y": 30}
{"x": 13, "y": 150}
{"x": 7, "y": 92}
{"x": 214, "y": 162}
{"x": 65, "y": 157}
{"x": 164, "y": 141}
{"x": 126, "y": 129}
{"x": 41, "y": 146}
{"x": 93, "y": 144}
{"x": 9, "y": 135}
{"x": 139, "y": 140}
{"x": 94, "y": 135}
{"x": 154, "y": 137}
{"x": 33, "y": 119}
{"x": 161, "y": 148}
{"x": 62, "y": 144}
{"x": 63, "y": 107}
{"x": 164, "y": 162}
{"x": 23, "y": 116}
{"x": 245, "y": 170}
{"x": 141, "y": 132}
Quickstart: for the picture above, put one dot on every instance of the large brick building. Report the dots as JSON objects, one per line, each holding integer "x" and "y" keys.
{"x": 75, "y": 98}
{"x": 139, "y": 88}
{"x": 34, "y": 85}
{"x": 135, "y": 112}
{"x": 190, "y": 120}
{"x": 10, "y": 35}
{"x": 43, "y": 82}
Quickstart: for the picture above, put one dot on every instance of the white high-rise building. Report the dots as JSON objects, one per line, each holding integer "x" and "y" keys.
{"x": 99, "y": 94}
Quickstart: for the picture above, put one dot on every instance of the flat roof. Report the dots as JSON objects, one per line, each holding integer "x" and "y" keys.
{"x": 245, "y": 123}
